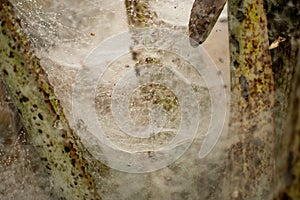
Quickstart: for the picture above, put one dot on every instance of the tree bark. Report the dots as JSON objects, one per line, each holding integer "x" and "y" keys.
{"x": 251, "y": 164}
{"x": 283, "y": 20}
{"x": 265, "y": 110}
{"x": 265, "y": 118}
{"x": 61, "y": 152}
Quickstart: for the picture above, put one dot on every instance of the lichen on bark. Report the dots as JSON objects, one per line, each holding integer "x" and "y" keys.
{"x": 251, "y": 160}
{"x": 59, "y": 149}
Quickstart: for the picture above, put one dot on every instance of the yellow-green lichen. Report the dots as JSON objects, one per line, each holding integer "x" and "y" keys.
{"x": 138, "y": 13}
{"x": 252, "y": 102}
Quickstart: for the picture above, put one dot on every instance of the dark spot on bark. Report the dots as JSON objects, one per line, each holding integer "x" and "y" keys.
{"x": 134, "y": 55}
{"x": 34, "y": 117}
{"x": 5, "y": 72}
{"x": 67, "y": 149}
{"x": 236, "y": 64}
{"x": 15, "y": 69}
{"x": 34, "y": 105}
{"x": 240, "y": 16}
{"x": 40, "y": 131}
{"x": 253, "y": 129}
{"x": 48, "y": 167}
{"x": 47, "y": 135}
{"x": 40, "y": 116}
{"x": 240, "y": 4}
{"x": 3, "y": 32}
{"x": 17, "y": 46}
{"x": 38, "y": 124}
{"x": 46, "y": 95}
{"x": 62, "y": 198}
{"x": 3, "y": 23}
{"x": 44, "y": 159}
{"x": 256, "y": 161}
{"x": 245, "y": 87}
{"x": 260, "y": 81}
{"x": 19, "y": 111}
{"x": 22, "y": 63}
{"x": 235, "y": 43}
{"x": 24, "y": 99}
{"x": 11, "y": 54}
{"x": 73, "y": 162}
{"x": 254, "y": 44}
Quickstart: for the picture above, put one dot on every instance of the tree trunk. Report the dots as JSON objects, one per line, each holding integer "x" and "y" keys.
{"x": 265, "y": 118}
{"x": 283, "y": 20}
{"x": 41, "y": 114}
{"x": 265, "y": 111}
{"x": 251, "y": 164}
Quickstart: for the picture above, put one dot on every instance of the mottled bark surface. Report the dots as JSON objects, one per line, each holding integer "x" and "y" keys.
{"x": 204, "y": 16}
{"x": 41, "y": 114}
{"x": 262, "y": 143}
{"x": 251, "y": 159}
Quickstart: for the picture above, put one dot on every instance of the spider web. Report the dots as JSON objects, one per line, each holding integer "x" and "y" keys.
{"x": 63, "y": 33}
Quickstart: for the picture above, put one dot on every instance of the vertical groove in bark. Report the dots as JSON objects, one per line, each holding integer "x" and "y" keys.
{"x": 61, "y": 153}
